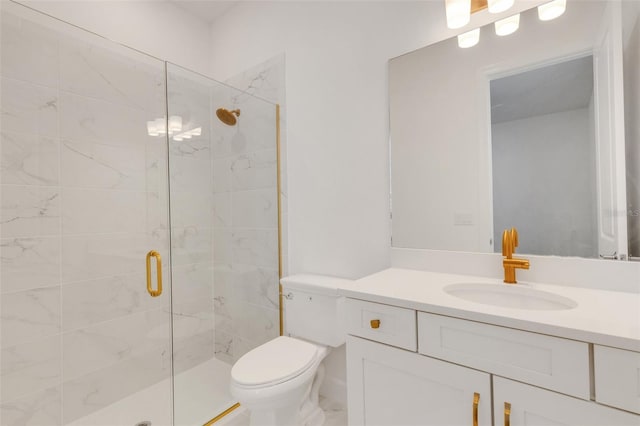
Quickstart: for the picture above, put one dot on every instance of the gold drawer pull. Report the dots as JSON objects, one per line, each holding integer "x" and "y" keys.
{"x": 375, "y": 323}
{"x": 158, "y": 291}
{"x": 507, "y": 414}
{"x": 476, "y": 401}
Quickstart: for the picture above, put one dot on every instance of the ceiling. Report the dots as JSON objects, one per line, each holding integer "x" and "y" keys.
{"x": 207, "y": 10}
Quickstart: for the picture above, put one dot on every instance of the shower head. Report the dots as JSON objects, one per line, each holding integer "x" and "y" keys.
{"x": 228, "y": 117}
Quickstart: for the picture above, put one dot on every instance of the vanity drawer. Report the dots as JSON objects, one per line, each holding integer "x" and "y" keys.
{"x": 382, "y": 323}
{"x": 545, "y": 361}
{"x": 617, "y": 377}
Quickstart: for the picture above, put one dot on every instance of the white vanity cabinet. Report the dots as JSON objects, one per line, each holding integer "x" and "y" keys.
{"x": 533, "y": 406}
{"x": 391, "y": 387}
{"x": 545, "y": 361}
{"x": 617, "y": 377}
{"x": 415, "y": 368}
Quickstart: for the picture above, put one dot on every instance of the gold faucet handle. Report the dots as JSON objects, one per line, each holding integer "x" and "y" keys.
{"x": 505, "y": 243}
{"x": 509, "y": 242}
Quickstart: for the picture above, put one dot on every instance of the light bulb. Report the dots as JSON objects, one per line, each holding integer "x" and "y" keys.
{"x": 161, "y": 126}
{"x": 508, "y": 25}
{"x": 469, "y": 39}
{"x": 152, "y": 130}
{"x": 498, "y": 6}
{"x": 175, "y": 123}
{"x": 458, "y": 13}
{"x": 551, "y": 10}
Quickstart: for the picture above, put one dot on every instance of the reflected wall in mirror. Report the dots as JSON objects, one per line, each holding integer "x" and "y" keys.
{"x": 550, "y": 160}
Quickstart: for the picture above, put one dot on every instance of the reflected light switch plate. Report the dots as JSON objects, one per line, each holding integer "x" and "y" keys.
{"x": 462, "y": 219}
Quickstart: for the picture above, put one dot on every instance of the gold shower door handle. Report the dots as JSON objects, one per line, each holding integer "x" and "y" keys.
{"x": 158, "y": 291}
{"x": 507, "y": 414}
{"x": 476, "y": 401}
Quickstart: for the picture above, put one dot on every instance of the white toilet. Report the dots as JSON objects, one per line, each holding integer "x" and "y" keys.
{"x": 279, "y": 381}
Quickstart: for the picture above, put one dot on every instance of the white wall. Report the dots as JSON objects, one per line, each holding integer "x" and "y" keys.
{"x": 336, "y": 56}
{"x": 157, "y": 28}
{"x": 337, "y": 122}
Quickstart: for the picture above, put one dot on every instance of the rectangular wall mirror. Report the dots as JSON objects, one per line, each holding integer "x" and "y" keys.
{"x": 536, "y": 129}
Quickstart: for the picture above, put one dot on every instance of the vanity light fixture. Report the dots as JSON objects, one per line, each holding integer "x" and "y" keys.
{"x": 158, "y": 127}
{"x": 188, "y": 134}
{"x": 152, "y": 129}
{"x": 458, "y": 13}
{"x": 551, "y": 10}
{"x": 175, "y": 124}
{"x": 508, "y": 25}
{"x": 161, "y": 125}
{"x": 469, "y": 39}
{"x": 499, "y": 6}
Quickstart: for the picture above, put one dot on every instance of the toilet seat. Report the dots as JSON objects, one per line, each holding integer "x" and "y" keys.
{"x": 276, "y": 361}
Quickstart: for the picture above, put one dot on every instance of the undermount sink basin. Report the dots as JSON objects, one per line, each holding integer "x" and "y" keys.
{"x": 513, "y": 296}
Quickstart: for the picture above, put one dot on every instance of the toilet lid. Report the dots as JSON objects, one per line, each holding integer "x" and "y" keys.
{"x": 275, "y": 361}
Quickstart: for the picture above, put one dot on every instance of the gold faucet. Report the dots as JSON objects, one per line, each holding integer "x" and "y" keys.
{"x": 510, "y": 263}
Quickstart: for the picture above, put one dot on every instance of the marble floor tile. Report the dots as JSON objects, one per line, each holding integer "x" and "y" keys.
{"x": 335, "y": 412}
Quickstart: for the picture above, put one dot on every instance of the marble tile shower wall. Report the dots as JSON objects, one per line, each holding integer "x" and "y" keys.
{"x": 83, "y": 198}
{"x": 245, "y": 225}
{"x": 268, "y": 81}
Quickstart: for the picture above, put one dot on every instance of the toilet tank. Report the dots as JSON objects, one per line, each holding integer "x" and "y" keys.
{"x": 313, "y": 309}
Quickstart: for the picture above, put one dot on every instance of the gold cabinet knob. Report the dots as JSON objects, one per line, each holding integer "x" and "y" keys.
{"x": 375, "y": 323}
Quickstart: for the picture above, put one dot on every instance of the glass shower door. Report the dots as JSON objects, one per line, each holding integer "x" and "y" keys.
{"x": 89, "y": 147}
{"x": 84, "y": 197}
{"x": 224, "y": 232}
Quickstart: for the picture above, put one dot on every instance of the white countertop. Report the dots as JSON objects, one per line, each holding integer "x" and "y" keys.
{"x": 602, "y": 317}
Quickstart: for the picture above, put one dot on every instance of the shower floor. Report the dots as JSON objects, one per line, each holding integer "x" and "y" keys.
{"x": 200, "y": 394}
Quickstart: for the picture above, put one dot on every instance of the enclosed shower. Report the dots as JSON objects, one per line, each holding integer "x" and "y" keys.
{"x": 139, "y": 233}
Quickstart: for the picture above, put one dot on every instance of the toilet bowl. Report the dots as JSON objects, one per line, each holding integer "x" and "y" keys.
{"x": 279, "y": 381}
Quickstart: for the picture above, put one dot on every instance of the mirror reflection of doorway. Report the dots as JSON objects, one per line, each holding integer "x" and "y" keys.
{"x": 544, "y": 158}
